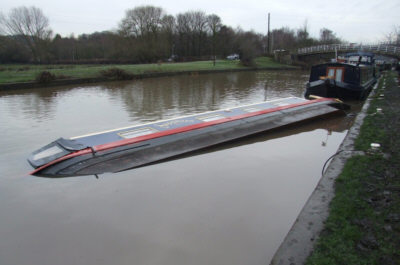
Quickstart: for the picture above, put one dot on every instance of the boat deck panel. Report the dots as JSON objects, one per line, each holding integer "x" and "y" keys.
{"x": 160, "y": 126}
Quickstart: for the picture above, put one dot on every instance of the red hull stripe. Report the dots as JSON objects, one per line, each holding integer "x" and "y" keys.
{"x": 71, "y": 155}
{"x": 103, "y": 147}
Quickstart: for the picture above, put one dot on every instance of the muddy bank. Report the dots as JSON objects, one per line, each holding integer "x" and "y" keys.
{"x": 77, "y": 81}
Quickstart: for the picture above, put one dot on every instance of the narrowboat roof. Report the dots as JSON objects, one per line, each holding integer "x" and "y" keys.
{"x": 334, "y": 64}
{"x": 174, "y": 123}
{"x": 340, "y": 64}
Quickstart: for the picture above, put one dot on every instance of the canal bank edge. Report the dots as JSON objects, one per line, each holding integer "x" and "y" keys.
{"x": 79, "y": 81}
{"x": 299, "y": 241}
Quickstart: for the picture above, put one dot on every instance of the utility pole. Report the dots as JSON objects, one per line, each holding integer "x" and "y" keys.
{"x": 269, "y": 36}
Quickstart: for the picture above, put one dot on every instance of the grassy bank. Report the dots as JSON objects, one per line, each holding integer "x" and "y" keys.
{"x": 364, "y": 222}
{"x": 28, "y": 73}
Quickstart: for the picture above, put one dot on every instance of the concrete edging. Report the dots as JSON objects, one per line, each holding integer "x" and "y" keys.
{"x": 299, "y": 242}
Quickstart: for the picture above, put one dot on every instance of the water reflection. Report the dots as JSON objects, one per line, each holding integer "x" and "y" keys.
{"x": 39, "y": 105}
{"x": 159, "y": 98}
{"x": 152, "y": 99}
{"x": 163, "y": 97}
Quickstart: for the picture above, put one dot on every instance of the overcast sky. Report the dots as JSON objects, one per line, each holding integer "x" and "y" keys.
{"x": 366, "y": 21}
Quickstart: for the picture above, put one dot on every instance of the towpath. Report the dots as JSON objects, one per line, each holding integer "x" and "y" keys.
{"x": 353, "y": 215}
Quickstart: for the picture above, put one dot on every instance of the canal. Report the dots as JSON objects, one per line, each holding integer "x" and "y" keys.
{"x": 231, "y": 204}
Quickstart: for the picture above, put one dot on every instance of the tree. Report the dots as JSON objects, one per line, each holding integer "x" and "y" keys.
{"x": 302, "y": 33}
{"x": 249, "y": 46}
{"x": 168, "y": 31}
{"x": 185, "y": 32}
{"x": 143, "y": 25}
{"x": 214, "y": 24}
{"x": 32, "y": 25}
{"x": 303, "y": 37}
{"x": 226, "y": 43}
{"x": 192, "y": 33}
{"x": 393, "y": 37}
{"x": 200, "y": 29}
{"x": 142, "y": 20}
{"x": 12, "y": 51}
{"x": 283, "y": 39}
{"x": 327, "y": 36}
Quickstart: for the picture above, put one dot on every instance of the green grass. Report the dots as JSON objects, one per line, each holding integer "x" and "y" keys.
{"x": 372, "y": 129}
{"x": 363, "y": 227}
{"x": 341, "y": 236}
{"x": 26, "y": 73}
{"x": 268, "y": 62}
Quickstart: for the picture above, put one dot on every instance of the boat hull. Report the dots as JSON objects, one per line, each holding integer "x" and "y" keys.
{"x": 332, "y": 89}
{"x": 139, "y": 151}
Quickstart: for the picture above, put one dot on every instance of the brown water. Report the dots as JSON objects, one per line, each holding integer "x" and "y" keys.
{"x": 232, "y": 204}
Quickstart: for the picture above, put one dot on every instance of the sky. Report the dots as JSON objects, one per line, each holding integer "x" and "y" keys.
{"x": 359, "y": 21}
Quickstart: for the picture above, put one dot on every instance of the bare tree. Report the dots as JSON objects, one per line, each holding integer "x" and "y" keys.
{"x": 192, "y": 32}
{"x": 2, "y": 25}
{"x": 200, "y": 27}
{"x": 303, "y": 36}
{"x": 226, "y": 43}
{"x": 302, "y": 33}
{"x": 143, "y": 26}
{"x": 393, "y": 37}
{"x": 214, "y": 24}
{"x": 30, "y": 24}
{"x": 249, "y": 46}
{"x": 168, "y": 23}
{"x": 283, "y": 38}
{"x": 183, "y": 23}
{"x": 199, "y": 21}
{"x": 185, "y": 30}
{"x": 168, "y": 29}
{"x": 142, "y": 20}
{"x": 328, "y": 37}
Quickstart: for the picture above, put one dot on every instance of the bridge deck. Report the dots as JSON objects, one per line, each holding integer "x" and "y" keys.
{"x": 384, "y": 49}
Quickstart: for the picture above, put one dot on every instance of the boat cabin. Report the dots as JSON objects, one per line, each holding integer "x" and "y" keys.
{"x": 351, "y": 77}
{"x": 341, "y": 72}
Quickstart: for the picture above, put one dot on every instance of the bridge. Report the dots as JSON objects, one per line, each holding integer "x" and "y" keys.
{"x": 382, "y": 49}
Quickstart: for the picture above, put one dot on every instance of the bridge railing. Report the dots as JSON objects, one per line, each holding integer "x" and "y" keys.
{"x": 382, "y": 48}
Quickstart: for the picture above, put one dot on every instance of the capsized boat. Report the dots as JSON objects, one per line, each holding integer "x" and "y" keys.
{"x": 350, "y": 77}
{"x": 134, "y": 146}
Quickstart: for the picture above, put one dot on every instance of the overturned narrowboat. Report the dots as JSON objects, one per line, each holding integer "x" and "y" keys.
{"x": 130, "y": 147}
{"x": 351, "y": 77}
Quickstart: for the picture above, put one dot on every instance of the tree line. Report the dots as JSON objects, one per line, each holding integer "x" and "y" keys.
{"x": 145, "y": 34}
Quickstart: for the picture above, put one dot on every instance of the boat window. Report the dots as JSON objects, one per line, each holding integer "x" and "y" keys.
{"x": 335, "y": 73}
{"x": 48, "y": 152}
{"x": 211, "y": 117}
{"x": 331, "y": 72}
{"x": 339, "y": 73}
{"x": 137, "y": 132}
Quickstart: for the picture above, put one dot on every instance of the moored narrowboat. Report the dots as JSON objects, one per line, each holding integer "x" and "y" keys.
{"x": 351, "y": 77}
{"x": 134, "y": 146}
